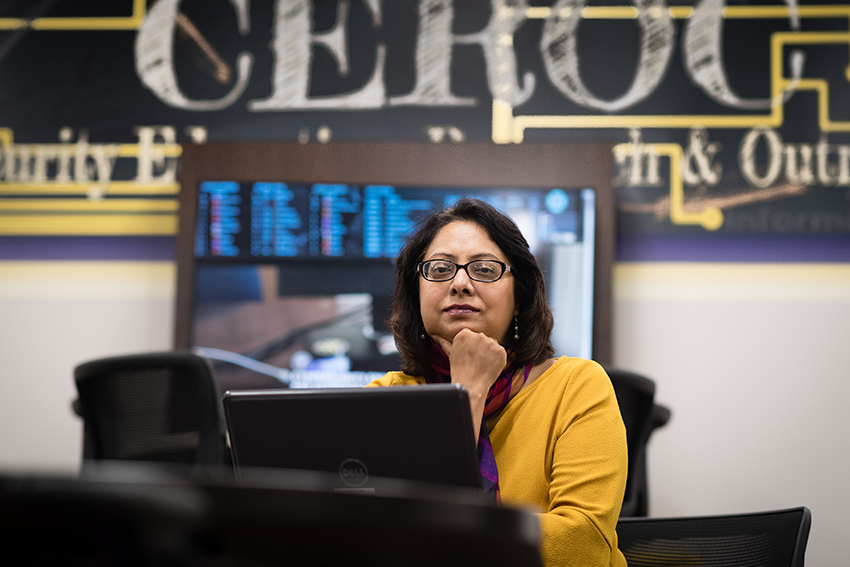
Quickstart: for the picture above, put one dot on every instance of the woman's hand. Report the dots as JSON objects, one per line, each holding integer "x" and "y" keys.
{"x": 476, "y": 361}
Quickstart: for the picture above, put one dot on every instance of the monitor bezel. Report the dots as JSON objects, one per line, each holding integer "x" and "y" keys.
{"x": 572, "y": 165}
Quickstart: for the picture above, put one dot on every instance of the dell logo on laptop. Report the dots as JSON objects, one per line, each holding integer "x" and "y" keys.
{"x": 353, "y": 472}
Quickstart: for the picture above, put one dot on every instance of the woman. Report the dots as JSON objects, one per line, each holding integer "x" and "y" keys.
{"x": 470, "y": 308}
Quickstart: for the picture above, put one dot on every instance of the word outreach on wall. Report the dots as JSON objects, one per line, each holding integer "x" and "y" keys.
{"x": 729, "y": 125}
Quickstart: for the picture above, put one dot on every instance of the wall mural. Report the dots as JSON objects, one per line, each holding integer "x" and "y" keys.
{"x": 729, "y": 124}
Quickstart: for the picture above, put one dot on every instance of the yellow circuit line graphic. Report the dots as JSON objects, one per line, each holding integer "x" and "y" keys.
{"x": 49, "y": 206}
{"x": 781, "y": 39}
{"x": 685, "y": 12}
{"x": 710, "y": 218}
{"x": 99, "y": 214}
{"x": 88, "y": 225}
{"x": 78, "y": 24}
{"x": 83, "y": 217}
{"x": 86, "y": 189}
{"x": 132, "y": 150}
{"x": 510, "y": 128}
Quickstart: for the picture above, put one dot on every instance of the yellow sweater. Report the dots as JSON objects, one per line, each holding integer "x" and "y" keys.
{"x": 560, "y": 445}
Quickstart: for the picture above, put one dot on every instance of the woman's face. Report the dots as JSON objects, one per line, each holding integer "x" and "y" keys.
{"x": 461, "y": 303}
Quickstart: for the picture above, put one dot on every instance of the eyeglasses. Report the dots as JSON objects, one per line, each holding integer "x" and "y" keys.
{"x": 477, "y": 270}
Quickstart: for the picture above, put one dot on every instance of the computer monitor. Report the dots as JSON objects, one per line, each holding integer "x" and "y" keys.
{"x": 292, "y": 275}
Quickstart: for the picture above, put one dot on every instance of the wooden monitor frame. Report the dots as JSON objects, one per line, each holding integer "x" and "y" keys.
{"x": 544, "y": 164}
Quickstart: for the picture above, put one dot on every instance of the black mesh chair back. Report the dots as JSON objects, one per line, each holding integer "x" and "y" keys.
{"x": 641, "y": 416}
{"x": 156, "y": 407}
{"x": 766, "y": 539}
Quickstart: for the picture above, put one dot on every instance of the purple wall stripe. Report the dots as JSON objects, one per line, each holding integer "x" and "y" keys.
{"x": 733, "y": 248}
{"x": 117, "y": 248}
{"x": 630, "y": 248}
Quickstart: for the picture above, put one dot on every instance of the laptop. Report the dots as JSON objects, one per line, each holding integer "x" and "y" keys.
{"x": 357, "y": 436}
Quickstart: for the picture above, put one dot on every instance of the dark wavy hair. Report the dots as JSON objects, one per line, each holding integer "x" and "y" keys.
{"x": 535, "y": 319}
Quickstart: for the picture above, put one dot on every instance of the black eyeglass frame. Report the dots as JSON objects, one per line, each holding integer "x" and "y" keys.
{"x": 420, "y": 267}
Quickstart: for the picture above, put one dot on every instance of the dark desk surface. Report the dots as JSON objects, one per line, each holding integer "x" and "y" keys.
{"x": 135, "y": 516}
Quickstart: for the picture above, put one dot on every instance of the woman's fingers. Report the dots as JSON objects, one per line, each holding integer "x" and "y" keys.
{"x": 473, "y": 355}
{"x": 475, "y": 359}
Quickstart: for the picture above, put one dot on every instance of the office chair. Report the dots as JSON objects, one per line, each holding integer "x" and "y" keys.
{"x": 157, "y": 407}
{"x": 641, "y": 415}
{"x": 775, "y": 538}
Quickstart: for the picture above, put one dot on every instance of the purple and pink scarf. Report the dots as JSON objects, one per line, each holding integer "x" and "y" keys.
{"x": 507, "y": 385}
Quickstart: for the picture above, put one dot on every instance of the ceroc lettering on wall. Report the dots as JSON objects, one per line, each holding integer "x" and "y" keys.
{"x": 294, "y": 39}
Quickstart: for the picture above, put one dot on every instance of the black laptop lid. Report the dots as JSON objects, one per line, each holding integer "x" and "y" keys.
{"x": 421, "y": 433}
